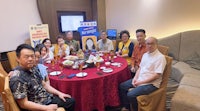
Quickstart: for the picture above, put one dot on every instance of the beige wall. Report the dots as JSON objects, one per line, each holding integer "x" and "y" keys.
{"x": 16, "y": 16}
{"x": 159, "y": 18}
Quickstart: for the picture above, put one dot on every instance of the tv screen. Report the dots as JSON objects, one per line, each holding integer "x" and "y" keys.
{"x": 112, "y": 32}
{"x": 70, "y": 20}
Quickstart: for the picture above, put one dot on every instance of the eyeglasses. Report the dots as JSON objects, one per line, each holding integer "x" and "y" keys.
{"x": 150, "y": 43}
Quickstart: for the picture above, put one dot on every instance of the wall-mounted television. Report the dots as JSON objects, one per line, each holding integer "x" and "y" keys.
{"x": 112, "y": 34}
{"x": 70, "y": 20}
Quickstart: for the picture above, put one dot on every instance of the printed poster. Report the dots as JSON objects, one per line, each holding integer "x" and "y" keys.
{"x": 38, "y": 33}
{"x": 89, "y": 42}
{"x": 89, "y": 33}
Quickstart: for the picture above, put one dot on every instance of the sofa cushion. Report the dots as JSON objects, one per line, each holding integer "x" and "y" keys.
{"x": 174, "y": 62}
{"x": 191, "y": 79}
{"x": 190, "y": 42}
{"x": 193, "y": 60}
{"x": 178, "y": 70}
{"x": 173, "y": 42}
{"x": 186, "y": 98}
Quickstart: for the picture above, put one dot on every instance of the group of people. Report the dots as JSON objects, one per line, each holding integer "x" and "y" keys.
{"x": 30, "y": 85}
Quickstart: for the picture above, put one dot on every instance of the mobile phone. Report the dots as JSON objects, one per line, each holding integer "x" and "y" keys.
{"x": 71, "y": 76}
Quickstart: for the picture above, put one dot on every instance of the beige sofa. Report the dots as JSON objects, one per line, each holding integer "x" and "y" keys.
{"x": 184, "y": 82}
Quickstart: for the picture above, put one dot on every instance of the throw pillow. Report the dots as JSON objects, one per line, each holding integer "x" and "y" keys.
{"x": 193, "y": 61}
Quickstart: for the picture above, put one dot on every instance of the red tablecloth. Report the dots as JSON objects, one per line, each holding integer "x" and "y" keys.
{"x": 93, "y": 91}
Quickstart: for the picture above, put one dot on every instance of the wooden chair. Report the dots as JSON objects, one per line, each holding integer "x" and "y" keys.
{"x": 163, "y": 49}
{"x": 12, "y": 57}
{"x": 2, "y": 69}
{"x": 156, "y": 100}
{"x": 6, "y": 94}
{"x": 114, "y": 42}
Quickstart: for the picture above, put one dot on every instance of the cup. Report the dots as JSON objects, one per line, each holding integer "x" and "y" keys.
{"x": 107, "y": 64}
{"x": 98, "y": 65}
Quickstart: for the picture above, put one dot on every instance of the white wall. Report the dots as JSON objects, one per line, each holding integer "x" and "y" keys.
{"x": 16, "y": 16}
{"x": 160, "y": 18}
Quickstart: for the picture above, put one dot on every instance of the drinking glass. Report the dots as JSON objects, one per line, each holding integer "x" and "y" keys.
{"x": 58, "y": 58}
{"x": 98, "y": 65}
{"x": 106, "y": 55}
{"x": 112, "y": 53}
{"x": 52, "y": 62}
{"x": 80, "y": 65}
{"x": 61, "y": 67}
{"x": 55, "y": 59}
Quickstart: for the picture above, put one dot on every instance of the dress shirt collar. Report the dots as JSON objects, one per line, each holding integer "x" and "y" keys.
{"x": 153, "y": 53}
{"x": 142, "y": 44}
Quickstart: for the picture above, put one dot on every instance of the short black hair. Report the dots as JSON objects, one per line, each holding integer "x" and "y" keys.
{"x": 124, "y": 32}
{"x": 45, "y": 40}
{"x": 102, "y": 31}
{"x": 23, "y": 46}
{"x": 39, "y": 47}
{"x": 140, "y": 30}
{"x": 59, "y": 37}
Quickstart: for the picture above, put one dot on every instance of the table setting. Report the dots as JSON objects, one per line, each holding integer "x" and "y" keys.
{"x": 95, "y": 77}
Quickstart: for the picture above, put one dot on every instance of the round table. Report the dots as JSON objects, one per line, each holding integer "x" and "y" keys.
{"x": 93, "y": 91}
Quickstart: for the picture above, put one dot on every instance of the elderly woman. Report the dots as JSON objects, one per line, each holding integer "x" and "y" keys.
{"x": 104, "y": 44}
{"x": 61, "y": 48}
{"x": 125, "y": 47}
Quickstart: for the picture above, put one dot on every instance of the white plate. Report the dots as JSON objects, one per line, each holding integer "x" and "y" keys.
{"x": 81, "y": 74}
{"x": 115, "y": 64}
{"x": 48, "y": 62}
{"x": 100, "y": 54}
{"x": 99, "y": 60}
{"x": 107, "y": 70}
{"x": 71, "y": 57}
{"x": 68, "y": 62}
{"x": 55, "y": 73}
{"x": 102, "y": 67}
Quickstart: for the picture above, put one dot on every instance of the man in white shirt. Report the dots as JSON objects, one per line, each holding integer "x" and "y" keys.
{"x": 147, "y": 79}
{"x": 104, "y": 44}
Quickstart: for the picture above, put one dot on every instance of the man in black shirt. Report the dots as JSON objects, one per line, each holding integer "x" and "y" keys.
{"x": 28, "y": 88}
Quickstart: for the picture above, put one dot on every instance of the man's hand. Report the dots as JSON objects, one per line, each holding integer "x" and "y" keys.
{"x": 10, "y": 73}
{"x": 137, "y": 83}
{"x": 71, "y": 48}
{"x": 63, "y": 96}
{"x": 133, "y": 69}
{"x": 52, "y": 107}
{"x": 63, "y": 48}
{"x": 133, "y": 82}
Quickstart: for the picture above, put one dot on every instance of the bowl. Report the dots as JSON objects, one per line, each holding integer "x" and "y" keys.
{"x": 68, "y": 63}
{"x": 107, "y": 63}
{"x": 90, "y": 63}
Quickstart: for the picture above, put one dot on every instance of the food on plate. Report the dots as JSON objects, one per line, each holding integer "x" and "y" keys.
{"x": 80, "y": 54}
{"x": 68, "y": 63}
{"x": 72, "y": 58}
